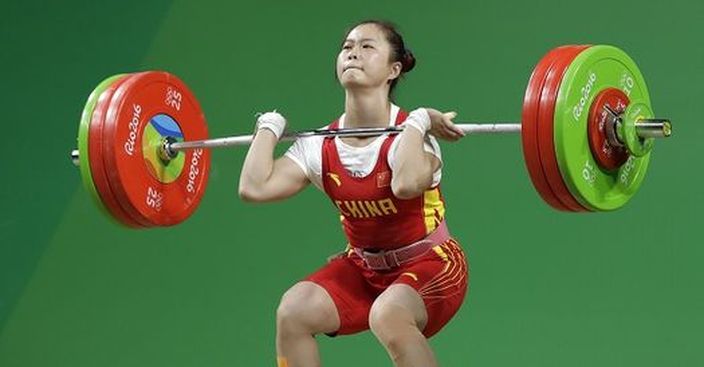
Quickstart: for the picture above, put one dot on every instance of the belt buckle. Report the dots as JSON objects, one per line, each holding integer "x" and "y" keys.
{"x": 391, "y": 259}
{"x": 388, "y": 260}
{"x": 375, "y": 260}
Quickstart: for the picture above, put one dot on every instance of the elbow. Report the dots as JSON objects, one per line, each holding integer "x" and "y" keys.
{"x": 248, "y": 188}
{"x": 245, "y": 194}
{"x": 248, "y": 194}
{"x": 405, "y": 190}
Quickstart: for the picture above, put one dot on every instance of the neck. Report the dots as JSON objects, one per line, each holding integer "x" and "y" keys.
{"x": 367, "y": 108}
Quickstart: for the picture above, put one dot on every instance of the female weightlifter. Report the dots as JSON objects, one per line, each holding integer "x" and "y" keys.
{"x": 402, "y": 275}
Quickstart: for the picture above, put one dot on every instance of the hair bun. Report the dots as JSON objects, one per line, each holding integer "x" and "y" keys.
{"x": 409, "y": 61}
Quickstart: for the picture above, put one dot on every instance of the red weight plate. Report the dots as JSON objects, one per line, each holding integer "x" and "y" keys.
{"x": 529, "y": 128}
{"x": 150, "y": 106}
{"x": 607, "y": 156}
{"x": 546, "y": 143}
{"x": 109, "y": 141}
{"x": 95, "y": 154}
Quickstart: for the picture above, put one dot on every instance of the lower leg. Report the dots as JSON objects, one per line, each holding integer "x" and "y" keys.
{"x": 296, "y": 349}
{"x": 405, "y": 343}
{"x": 305, "y": 310}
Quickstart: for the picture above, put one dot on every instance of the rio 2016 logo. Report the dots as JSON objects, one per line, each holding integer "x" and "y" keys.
{"x": 134, "y": 125}
{"x": 585, "y": 93}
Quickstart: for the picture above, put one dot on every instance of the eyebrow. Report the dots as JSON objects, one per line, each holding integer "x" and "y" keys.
{"x": 362, "y": 40}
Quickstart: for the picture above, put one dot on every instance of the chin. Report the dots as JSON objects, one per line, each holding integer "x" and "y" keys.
{"x": 352, "y": 83}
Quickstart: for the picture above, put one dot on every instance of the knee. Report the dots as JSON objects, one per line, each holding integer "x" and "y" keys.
{"x": 303, "y": 309}
{"x": 390, "y": 322}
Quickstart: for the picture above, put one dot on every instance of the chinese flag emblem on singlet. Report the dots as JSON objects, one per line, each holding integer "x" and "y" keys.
{"x": 383, "y": 179}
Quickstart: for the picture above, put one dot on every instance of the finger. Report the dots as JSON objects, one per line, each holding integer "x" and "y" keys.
{"x": 450, "y": 115}
{"x": 446, "y": 135}
{"x": 451, "y": 134}
{"x": 439, "y": 133}
{"x": 446, "y": 130}
{"x": 451, "y": 126}
{"x": 456, "y": 129}
{"x": 452, "y": 138}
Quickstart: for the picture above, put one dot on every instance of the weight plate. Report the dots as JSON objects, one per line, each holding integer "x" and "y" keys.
{"x": 592, "y": 71}
{"x": 143, "y": 108}
{"x": 609, "y": 157}
{"x": 529, "y": 128}
{"x": 83, "y": 151}
{"x": 96, "y": 153}
{"x": 546, "y": 145}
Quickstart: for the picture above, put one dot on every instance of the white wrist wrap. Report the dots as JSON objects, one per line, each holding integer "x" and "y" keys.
{"x": 419, "y": 120}
{"x": 273, "y": 121}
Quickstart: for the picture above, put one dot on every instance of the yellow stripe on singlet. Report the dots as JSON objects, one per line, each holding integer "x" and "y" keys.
{"x": 438, "y": 250}
{"x": 433, "y": 209}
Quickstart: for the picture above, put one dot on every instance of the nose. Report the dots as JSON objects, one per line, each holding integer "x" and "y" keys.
{"x": 352, "y": 55}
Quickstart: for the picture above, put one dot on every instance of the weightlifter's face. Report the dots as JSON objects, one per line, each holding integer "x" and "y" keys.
{"x": 364, "y": 60}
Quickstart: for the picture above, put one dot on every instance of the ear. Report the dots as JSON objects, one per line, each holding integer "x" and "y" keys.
{"x": 395, "y": 70}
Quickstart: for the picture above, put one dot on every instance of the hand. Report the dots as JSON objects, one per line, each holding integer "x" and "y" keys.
{"x": 429, "y": 120}
{"x": 441, "y": 125}
{"x": 273, "y": 121}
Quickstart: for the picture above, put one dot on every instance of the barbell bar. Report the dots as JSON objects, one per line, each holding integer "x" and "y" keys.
{"x": 645, "y": 128}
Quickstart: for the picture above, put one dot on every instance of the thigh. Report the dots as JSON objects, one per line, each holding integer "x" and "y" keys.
{"x": 440, "y": 279}
{"x": 307, "y": 305}
{"x": 344, "y": 281}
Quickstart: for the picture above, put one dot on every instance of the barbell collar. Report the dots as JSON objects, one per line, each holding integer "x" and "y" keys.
{"x": 645, "y": 128}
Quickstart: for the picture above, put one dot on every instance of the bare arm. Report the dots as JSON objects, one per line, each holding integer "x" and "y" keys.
{"x": 264, "y": 179}
{"x": 414, "y": 167}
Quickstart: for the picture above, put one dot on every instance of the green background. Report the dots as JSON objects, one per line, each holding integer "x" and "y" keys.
{"x": 548, "y": 288}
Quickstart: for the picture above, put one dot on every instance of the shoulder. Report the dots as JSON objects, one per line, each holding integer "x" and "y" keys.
{"x": 307, "y": 154}
{"x": 307, "y": 149}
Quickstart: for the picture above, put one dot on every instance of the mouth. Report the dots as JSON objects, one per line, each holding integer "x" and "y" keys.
{"x": 351, "y": 67}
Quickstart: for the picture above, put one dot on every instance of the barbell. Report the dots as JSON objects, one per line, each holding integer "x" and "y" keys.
{"x": 587, "y": 131}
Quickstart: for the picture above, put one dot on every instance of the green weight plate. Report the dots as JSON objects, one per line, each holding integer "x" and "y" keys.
{"x": 83, "y": 155}
{"x": 596, "y": 69}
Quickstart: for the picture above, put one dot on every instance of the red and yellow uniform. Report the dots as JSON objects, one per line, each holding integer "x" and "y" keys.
{"x": 374, "y": 219}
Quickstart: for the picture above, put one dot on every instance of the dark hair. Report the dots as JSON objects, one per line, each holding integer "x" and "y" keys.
{"x": 399, "y": 52}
